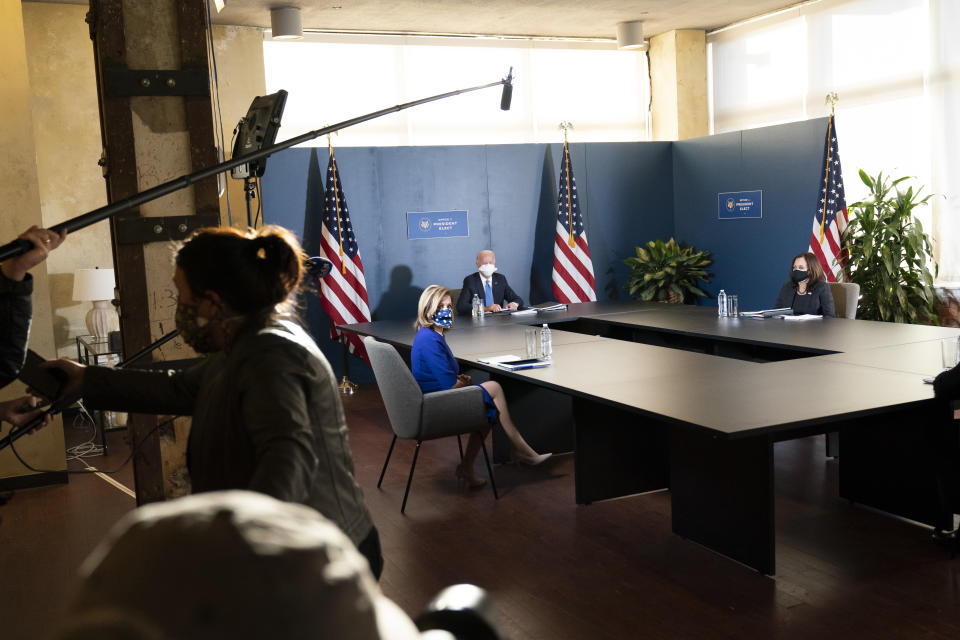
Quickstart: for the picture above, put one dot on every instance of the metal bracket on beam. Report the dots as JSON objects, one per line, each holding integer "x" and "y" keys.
{"x": 145, "y": 82}
{"x": 143, "y": 230}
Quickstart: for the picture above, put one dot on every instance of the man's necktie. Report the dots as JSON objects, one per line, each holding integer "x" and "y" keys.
{"x": 488, "y": 292}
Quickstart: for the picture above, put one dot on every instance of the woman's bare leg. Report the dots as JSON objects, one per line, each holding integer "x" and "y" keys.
{"x": 499, "y": 399}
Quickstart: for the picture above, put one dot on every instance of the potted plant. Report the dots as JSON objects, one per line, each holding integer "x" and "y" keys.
{"x": 668, "y": 272}
{"x": 890, "y": 255}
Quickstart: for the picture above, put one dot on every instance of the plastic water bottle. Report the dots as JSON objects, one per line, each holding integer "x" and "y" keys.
{"x": 477, "y": 308}
{"x": 546, "y": 343}
{"x": 722, "y": 303}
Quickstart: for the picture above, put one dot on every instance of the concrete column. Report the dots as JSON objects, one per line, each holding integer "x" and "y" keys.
{"x": 678, "y": 72}
{"x": 20, "y": 198}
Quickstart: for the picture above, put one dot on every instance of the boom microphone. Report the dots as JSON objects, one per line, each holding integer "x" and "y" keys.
{"x": 507, "y": 94}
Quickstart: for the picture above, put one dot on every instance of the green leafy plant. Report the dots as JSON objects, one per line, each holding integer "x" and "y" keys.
{"x": 890, "y": 254}
{"x": 668, "y": 272}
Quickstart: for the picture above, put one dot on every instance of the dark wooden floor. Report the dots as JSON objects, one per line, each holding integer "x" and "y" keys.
{"x": 557, "y": 570}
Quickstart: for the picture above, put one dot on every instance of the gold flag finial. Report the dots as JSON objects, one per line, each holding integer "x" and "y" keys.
{"x": 832, "y": 99}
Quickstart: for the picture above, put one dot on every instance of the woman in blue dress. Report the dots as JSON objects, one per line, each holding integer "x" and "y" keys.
{"x": 435, "y": 369}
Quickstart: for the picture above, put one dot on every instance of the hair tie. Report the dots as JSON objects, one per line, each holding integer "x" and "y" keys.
{"x": 259, "y": 249}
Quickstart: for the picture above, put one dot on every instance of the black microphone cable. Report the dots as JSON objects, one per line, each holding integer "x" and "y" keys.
{"x": 133, "y": 452}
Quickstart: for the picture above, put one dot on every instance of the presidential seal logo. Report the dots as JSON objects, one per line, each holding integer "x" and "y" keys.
{"x": 730, "y": 204}
{"x": 425, "y": 223}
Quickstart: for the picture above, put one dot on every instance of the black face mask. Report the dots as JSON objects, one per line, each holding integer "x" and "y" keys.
{"x": 194, "y": 329}
{"x": 799, "y": 276}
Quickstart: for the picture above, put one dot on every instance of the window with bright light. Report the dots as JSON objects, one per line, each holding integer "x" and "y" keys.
{"x": 895, "y": 65}
{"x": 602, "y": 91}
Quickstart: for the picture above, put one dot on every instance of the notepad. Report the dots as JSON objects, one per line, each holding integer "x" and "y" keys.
{"x": 766, "y": 313}
{"x": 517, "y": 365}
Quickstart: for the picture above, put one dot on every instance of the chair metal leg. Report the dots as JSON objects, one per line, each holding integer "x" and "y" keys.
{"x": 486, "y": 458}
{"x": 460, "y": 446}
{"x": 413, "y": 465}
{"x": 387, "y": 461}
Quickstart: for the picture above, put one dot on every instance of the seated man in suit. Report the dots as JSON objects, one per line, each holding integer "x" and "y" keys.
{"x": 495, "y": 294}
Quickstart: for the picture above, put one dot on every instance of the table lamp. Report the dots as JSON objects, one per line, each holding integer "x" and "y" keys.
{"x": 97, "y": 285}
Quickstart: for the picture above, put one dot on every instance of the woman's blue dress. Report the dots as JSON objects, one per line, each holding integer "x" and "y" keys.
{"x": 435, "y": 368}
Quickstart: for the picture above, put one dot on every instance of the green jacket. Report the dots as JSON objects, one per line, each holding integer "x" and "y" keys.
{"x": 266, "y": 417}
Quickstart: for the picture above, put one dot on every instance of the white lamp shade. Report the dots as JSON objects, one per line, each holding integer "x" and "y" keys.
{"x": 630, "y": 35}
{"x": 285, "y": 23}
{"x": 93, "y": 284}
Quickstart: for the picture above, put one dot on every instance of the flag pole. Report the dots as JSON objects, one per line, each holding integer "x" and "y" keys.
{"x": 336, "y": 199}
{"x": 346, "y": 387}
{"x": 826, "y": 175}
{"x": 566, "y": 159}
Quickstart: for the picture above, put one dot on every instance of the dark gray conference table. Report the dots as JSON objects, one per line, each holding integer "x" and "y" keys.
{"x": 665, "y": 396}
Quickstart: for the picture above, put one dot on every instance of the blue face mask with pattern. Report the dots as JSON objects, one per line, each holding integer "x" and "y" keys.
{"x": 443, "y": 318}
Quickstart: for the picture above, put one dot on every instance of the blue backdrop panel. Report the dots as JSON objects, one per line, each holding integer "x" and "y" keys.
{"x": 751, "y": 256}
{"x": 510, "y": 193}
{"x": 630, "y": 193}
{"x": 627, "y": 199}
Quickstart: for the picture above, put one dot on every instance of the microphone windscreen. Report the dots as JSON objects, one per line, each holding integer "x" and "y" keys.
{"x": 318, "y": 267}
{"x": 507, "y": 95}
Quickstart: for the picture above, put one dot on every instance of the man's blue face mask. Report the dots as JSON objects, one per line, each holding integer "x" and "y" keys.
{"x": 443, "y": 318}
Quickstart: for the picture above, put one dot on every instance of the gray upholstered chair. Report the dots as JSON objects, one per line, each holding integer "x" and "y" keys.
{"x": 846, "y": 295}
{"x": 419, "y": 416}
{"x": 454, "y": 296}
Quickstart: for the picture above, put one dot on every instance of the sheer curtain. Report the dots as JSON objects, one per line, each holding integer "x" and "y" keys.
{"x": 602, "y": 91}
{"x": 896, "y": 67}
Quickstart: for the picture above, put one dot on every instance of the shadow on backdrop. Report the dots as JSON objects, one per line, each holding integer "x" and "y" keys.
{"x": 399, "y": 302}
{"x": 613, "y": 288}
{"x": 541, "y": 269}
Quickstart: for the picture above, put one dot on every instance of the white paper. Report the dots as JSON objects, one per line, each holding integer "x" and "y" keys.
{"x": 805, "y": 316}
{"x": 525, "y": 312}
{"x": 498, "y": 359}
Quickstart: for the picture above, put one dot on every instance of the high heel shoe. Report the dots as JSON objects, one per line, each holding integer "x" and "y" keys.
{"x": 529, "y": 460}
{"x": 473, "y": 482}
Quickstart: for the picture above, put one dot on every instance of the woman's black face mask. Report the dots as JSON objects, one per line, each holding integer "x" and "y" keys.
{"x": 798, "y": 276}
{"x": 195, "y": 330}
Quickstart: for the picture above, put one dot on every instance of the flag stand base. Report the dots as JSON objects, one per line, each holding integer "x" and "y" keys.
{"x": 346, "y": 387}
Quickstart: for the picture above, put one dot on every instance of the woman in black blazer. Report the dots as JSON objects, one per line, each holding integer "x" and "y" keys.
{"x": 807, "y": 291}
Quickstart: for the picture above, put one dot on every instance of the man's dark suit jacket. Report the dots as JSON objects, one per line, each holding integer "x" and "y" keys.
{"x": 473, "y": 284}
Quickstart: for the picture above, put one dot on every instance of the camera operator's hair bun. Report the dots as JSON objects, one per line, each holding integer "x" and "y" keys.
{"x": 252, "y": 271}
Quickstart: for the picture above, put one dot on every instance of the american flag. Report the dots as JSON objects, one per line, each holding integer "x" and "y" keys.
{"x": 343, "y": 293}
{"x": 831, "y": 219}
{"x": 572, "y": 267}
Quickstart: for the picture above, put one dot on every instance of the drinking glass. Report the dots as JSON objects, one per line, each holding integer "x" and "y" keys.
{"x": 950, "y": 351}
{"x": 531, "y": 341}
{"x": 732, "y": 306}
